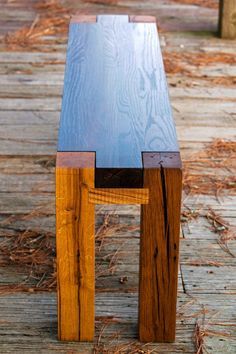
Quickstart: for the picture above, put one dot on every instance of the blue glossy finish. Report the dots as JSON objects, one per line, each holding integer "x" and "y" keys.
{"x": 115, "y": 99}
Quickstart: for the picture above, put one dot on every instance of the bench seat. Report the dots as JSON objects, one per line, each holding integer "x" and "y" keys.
{"x": 115, "y": 101}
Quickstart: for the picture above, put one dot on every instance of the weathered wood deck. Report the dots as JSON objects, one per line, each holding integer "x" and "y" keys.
{"x": 201, "y": 74}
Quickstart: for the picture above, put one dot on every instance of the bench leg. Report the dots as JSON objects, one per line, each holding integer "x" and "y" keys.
{"x": 159, "y": 248}
{"x": 75, "y": 253}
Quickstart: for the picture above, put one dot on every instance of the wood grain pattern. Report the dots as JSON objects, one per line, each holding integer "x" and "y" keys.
{"x": 115, "y": 99}
{"x": 227, "y": 19}
{"x": 162, "y": 159}
{"x": 118, "y": 196}
{"x": 75, "y": 253}
{"x": 159, "y": 248}
{"x": 142, "y": 18}
{"x": 83, "y": 18}
{"x": 75, "y": 159}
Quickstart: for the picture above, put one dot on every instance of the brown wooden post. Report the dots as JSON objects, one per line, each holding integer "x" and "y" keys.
{"x": 75, "y": 245}
{"x": 159, "y": 247}
{"x": 227, "y": 19}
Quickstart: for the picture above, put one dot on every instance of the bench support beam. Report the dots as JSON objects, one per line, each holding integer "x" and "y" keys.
{"x": 119, "y": 196}
{"x": 159, "y": 247}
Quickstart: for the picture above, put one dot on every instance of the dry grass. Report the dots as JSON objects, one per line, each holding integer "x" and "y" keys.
{"x": 222, "y": 148}
{"x": 107, "y": 344}
{"x": 51, "y": 18}
{"x": 111, "y": 343}
{"x": 219, "y": 226}
{"x": 108, "y": 228}
{"x": 33, "y": 252}
{"x": 182, "y": 63}
{"x": 204, "y": 319}
{"x": 106, "y": 262}
{"x": 223, "y": 229}
{"x": 220, "y": 154}
{"x": 199, "y": 338}
{"x": 217, "y": 156}
{"x": 224, "y": 81}
{"x": 202, "y": 331}
{"x": 125, "y": 348}
{"x": 209, "y": 184}
{"x": 189, "y": 214}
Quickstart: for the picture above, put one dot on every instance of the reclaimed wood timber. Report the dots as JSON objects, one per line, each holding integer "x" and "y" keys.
{"x": 28, "y": 202}
{"x": 118, "y": 196}
{"x": 20, "y": 118}
{"x": 31, "y": 57}
{"x": 36, "y": 104}
{"x": 227, "y": 19}
{"x": 159, "y": 247}
{"x": 44, "y": 139}
{"x": 217, "y": 280}
{"x": 25, "y": 319}
{"x": 75, "y": 246}
{"x": 43, "y": 88}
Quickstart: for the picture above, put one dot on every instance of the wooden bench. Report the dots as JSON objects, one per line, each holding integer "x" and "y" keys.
{"x": 117, "y": 144}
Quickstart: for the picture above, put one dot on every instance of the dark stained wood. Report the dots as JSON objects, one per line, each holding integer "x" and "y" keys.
{"x": 83, "y": 18}
{"x": 159, "y": 248}
{"x": 164, "y": 159}
{"x": 119, "y": 177}
{"x": 142, "y": 18}
{"x": 115, "y": 100}
{"x": 75, "y": 159}
{"x": 75, "y": 242}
